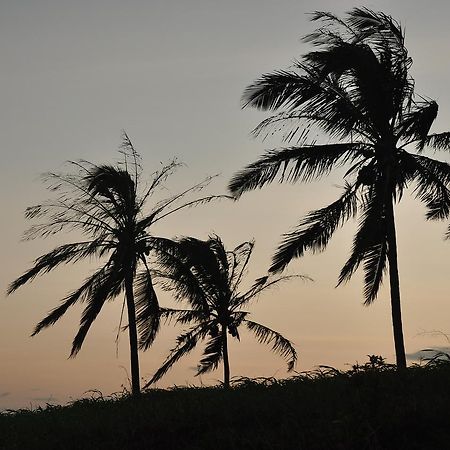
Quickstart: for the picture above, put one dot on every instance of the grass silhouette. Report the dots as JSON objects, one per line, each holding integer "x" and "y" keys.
{"x": 369, "y": 406}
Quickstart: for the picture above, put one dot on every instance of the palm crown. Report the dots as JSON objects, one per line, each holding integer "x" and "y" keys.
{"x": 108, "y": 205}
{"x": 208, "y": 277}
{"x": 356, "y": 88}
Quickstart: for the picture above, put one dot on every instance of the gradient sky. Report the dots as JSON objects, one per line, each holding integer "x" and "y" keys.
{"x": 171, "y": 73}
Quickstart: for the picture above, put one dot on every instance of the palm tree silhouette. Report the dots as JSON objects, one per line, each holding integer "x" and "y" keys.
{"x": 357, "y": 89}
{"x": 107, "y": 204}
{"x": 208, "y": 276}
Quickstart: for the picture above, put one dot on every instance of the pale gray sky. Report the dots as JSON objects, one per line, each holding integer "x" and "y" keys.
{"x": 171, "y": 73}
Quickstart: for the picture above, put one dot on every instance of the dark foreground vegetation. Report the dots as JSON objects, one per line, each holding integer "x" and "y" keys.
{"x": 370, "y": 406}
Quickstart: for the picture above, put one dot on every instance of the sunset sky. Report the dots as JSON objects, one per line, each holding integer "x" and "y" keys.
{"x": 171, "y": 73}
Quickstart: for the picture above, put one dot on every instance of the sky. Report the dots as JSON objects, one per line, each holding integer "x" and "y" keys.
{"x": 171, "y": 73}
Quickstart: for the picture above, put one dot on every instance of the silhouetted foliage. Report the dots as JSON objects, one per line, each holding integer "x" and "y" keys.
{"x": 107, "y": 204}
{"x": 326, "y": 409}
{"x": 208, "y": 276}
{"x": 356, "y": 87}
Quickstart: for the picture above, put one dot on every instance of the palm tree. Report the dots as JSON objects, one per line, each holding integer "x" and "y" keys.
{"x": 356, "y": 88}
{"x": 107, "y": 204}
{"x": 208, "y": 277}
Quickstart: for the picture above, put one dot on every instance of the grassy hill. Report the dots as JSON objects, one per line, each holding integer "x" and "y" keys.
{"x": 368, "y": 407}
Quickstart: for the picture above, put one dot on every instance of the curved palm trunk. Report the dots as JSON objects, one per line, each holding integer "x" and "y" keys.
{"x": 132, "y": 333}
{"x": 395, "y": 287}
{"x": 226, "y": 362}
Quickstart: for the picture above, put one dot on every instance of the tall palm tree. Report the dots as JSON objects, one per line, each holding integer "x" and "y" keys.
{"x": 107, "y": 204}
{"x": 356, "y": 88}
{"x": 208, "y": 277}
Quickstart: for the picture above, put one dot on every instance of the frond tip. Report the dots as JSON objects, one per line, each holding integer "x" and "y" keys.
{"x": 279, "y": 344}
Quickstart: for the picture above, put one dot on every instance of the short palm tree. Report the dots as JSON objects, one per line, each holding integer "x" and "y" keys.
{"x": 356, "y": 88}
{"x": 208, "y": 277}
{"x": 108, "y": 205}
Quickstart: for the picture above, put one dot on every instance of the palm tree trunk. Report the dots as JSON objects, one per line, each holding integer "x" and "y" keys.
{"x": 132, "y": 333}
{"x": 226, "y": 362}
{"x": 395, "y": 287}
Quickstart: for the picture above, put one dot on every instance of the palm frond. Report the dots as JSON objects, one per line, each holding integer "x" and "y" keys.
{"x": 293, "y": 164}
{"x": 309, "y": 95}
{"x": 315, "y": 231}
{"x": 115, "y": 186}
{"x": 277, "y": 89}
{"x": 335, "y": 119}
{"x": 432, "y": 179}
{"x": 438, "y": 141}
{"x": 238, "y": 262}
{"x": 162, "y": 208}
{"x": 221, "y": 260}
{"x": 73, "y": 186}
{"x": 322, "y": 35}
{"x": 158, "y": 178}
{"x": 377, "y": 27}
{"x": 338, "y": 106}
{"x": 84, "y": 292}
{"x": 416, "y": 124}
{"x": 212, "y": 355}
{"x": 338, "y": 61}
{"x": 147, "y": 308}
{"x": 182, "y": 316}
{"x": 175, "y": 272}
{"x": 280, "y": 344}
{"x": 375, "y": 259}
{"x": 200, "y": 201}
{"x": 67, "y": 215}
{"x": 104, "y": 287}
{"x": 186, "y": 342}
{"x": 132, "y": 160}
{"x": 263, "y": 284}
{"x": 236, "y": 319}
{"x": 370, "y": 247}
{"x": 208, "y": 262}
{"x": 318, "y": 100}
{"x": 63, "y": 254}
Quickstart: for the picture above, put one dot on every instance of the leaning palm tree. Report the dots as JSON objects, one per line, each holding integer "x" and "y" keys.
{"x": 107, "y": 204}
{"x": 356, "y": 88}
{"x": 208, "y": 276}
